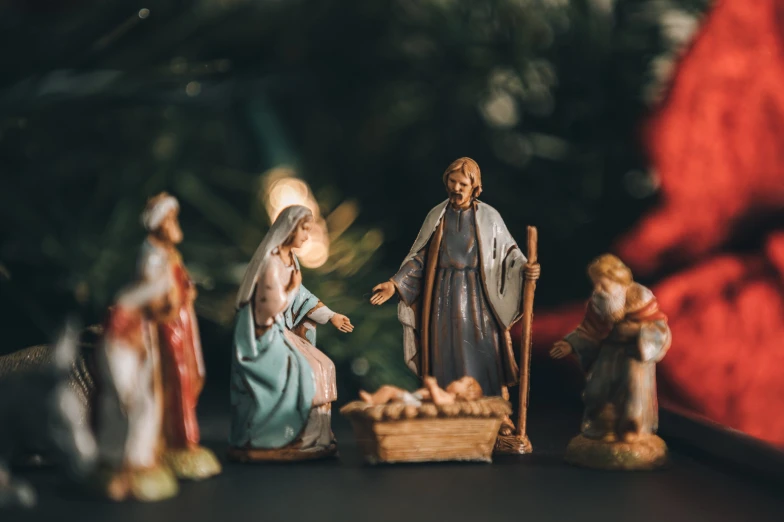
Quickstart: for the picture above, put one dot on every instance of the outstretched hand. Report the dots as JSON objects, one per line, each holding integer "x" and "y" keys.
{"x": 382, "y": 292}
{"x": 342, "y": 323}
{"x": 560, "y": 350}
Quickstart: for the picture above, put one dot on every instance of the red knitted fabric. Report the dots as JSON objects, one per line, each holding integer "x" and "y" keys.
{"x": 717, "y": 145}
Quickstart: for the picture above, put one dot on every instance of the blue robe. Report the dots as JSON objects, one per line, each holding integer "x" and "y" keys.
{"x": 272, "y": 384}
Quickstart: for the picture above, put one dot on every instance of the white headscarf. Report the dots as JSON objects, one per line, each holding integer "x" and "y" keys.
{"x": 280, "y": 230}
{"x": 154, "y": 214}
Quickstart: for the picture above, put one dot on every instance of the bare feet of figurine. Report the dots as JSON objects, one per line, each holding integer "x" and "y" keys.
{"x": 507, "y": 427}
{"x": 630, "y": 437}
{"x": 630, "y": 432}
{"x": 366, "y": 397}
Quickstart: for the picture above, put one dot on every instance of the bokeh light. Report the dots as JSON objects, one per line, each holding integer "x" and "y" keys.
{"x": 280, "y": 189}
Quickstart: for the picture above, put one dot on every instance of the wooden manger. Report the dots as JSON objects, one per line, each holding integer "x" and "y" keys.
{"x": 399, "y": 432}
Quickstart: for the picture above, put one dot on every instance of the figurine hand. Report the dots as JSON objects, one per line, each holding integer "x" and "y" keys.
{"x": 560, "y": 350}
{"x": 342, "y": 323}
{"x": 532, "y": 271}
{"x": 382, "y": 293}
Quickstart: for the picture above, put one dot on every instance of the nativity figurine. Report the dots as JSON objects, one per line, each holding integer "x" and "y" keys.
{"x": 431, "y": 424}
{"x": 128, "y": 411}
{"x": 463, "y": 389}
{"x": 460, "y": 291}
{"x": 178, "y": 341}
{"x": 282, "y": 386}
{"x": 618, "y": 343}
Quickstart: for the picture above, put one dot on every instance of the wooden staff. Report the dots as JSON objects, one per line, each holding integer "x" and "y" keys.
{"x": 525, "y": 343}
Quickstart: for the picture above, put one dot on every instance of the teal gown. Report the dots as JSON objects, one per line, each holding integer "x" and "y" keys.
{"x": 272, "y": 384}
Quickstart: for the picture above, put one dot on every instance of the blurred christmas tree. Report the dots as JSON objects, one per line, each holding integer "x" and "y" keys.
{"x": 104, "y": 104}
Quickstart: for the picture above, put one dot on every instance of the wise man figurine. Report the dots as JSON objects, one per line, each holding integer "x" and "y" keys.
{"x": 128, "y": 407}
{"x": 182, "y": 364}
{"x": 460, "y": 290}
{"x": 618, "y": 343}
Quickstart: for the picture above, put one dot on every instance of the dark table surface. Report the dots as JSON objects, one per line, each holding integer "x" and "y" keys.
{"x": 537, "y": 487}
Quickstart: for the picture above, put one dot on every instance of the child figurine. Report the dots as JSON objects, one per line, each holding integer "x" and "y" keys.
{"x": 429, "y": 425}
{"x": 129, "y": 403}
{"x": 619, "y": 342}
{"x": 182, "y": 365}
{"x": 282, "y": 386}
{"x": 463, "y": 389}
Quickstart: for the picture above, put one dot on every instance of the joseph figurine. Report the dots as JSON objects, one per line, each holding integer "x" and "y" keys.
{"x": 460, "y": 290}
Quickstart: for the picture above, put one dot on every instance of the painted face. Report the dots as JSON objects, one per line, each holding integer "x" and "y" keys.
{"x": 302, "y": 233}
{"x": 460, "y": 188}
{"x": 170, "y": 229}
{"x": 466, "y": 388}
{"x": 609, "y": 298}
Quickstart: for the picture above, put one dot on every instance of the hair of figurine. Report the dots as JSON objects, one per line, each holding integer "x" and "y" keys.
{"x": 290, "y": 239}
{"x": 611, "y": 267}
{"x": 157, "y": 208}
{"x": 466, "y": 388}
{"x": 283, "y": 227}
{"x": 468, "y": 167}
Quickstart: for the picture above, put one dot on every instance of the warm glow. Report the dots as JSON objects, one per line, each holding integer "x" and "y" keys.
{"x": 281, "y": 189}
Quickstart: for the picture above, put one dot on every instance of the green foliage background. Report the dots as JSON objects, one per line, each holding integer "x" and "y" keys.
{"x": 103, "y": 104}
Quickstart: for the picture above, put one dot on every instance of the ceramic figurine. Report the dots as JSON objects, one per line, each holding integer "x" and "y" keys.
{"x": 465, "y": 388}
{"x": 618, "y": 343}
{"x": 282, "y": 386}
{"x": 430, "y": 424}
{"x": 129, "y": 403}
{"x": 461, "y": 290}
{"x": 40, "y": 408}
{"x": 182, "y": 365}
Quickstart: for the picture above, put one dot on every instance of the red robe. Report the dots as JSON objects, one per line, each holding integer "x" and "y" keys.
{"x": 180, "y": 352}
{"x": 180, "y": 347}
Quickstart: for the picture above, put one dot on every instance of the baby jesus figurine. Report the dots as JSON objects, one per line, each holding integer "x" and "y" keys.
{"x": 430, "y": 424}
{"x": 464, "y": 389}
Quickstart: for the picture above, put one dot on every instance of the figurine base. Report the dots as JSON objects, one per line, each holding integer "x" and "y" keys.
{"x": 285, "y": 454}
{"x": 144, "y": 485}
{"x": 192, "y": 463}
{"x": 646, "y": 453}
{"x": 514, "y": 444}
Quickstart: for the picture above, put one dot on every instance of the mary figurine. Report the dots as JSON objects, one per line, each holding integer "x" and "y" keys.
{"x": 282, "y": 386}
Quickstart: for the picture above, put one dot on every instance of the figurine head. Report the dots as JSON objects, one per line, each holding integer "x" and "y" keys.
{"x": 301, "y": 232}
{"x": 290, "y": 228}
{"x": 463, "y": 182}
{"x": 465, "y": 389}
{"x": 611, "y": 279}
{"x": 160, "y": 218}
